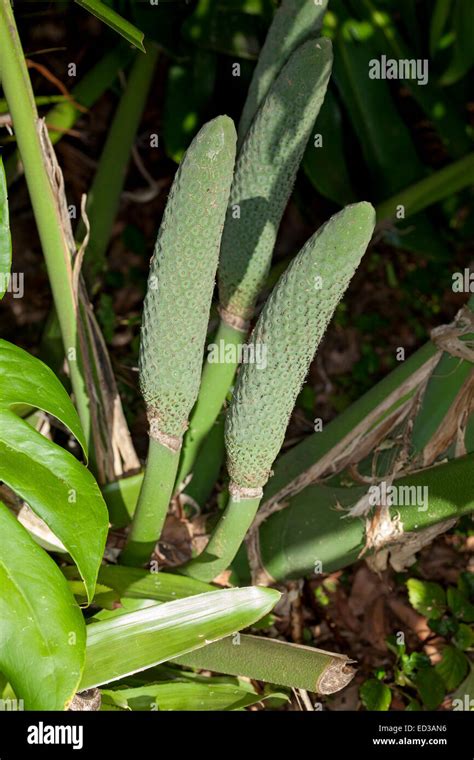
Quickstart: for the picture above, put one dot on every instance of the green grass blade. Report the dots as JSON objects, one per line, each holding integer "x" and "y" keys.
{"x": 438, "y": 23}
{"x": 104, "y": 196}
{"x": 138, "y": 640}
{"x": 116, "y": 22}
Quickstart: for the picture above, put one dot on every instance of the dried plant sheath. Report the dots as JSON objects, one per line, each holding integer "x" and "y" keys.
{"x": 265, "y": 173}
{"x": 294, "y": 22}
{"x": 288, "y": 330}
{"x": 275, "y": 661}
{"x": 176, "y": 315}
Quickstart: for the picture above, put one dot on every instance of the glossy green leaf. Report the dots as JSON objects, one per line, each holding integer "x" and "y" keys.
{"x": 375, "y": 695}
{"x": 126, "y": 644}
{"x": 427, "y": 598}
{"x": 42, "y": 631}
{"x": 5, "y": 240}
{"x": 115, "y": 21}
{"x": 26, "y": 383}
{"x": 58, "y": 488}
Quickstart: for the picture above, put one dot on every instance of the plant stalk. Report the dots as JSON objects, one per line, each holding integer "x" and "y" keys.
{"x": 152, "y": 506}
{"x": 217, "y": 378}
{"x": 312, "y": 530}
{"x": 19, "y": 94}
{"x": 225, "y": 540}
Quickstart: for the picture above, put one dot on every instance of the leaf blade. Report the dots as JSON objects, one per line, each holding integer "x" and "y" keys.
{"x": 27, "y": 382}
{"x": 35, "y": 628}
{"x": 115, "y": 21}
{"x": 59, "y": 489}
{"x": 193, "y": 622}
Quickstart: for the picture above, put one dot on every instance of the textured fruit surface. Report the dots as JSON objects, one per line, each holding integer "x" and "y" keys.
{"x": 265, "y": 174}
{"x": 182, "y": 276}
{"x": 294, "y": 22}
{"x": 289, "y": 329}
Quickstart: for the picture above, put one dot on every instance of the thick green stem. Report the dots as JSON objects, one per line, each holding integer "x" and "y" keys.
{"x": 153, "y": 501}
{"x": 218, "y": 374}
{"x": 104, "y": 195}
{"x": 313, "y": 533}
{"x": 19, "y": 94}
{"x": 225, "y": 540}
{"x": 430, "y": 190}
{"x": 208, "y": 465}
